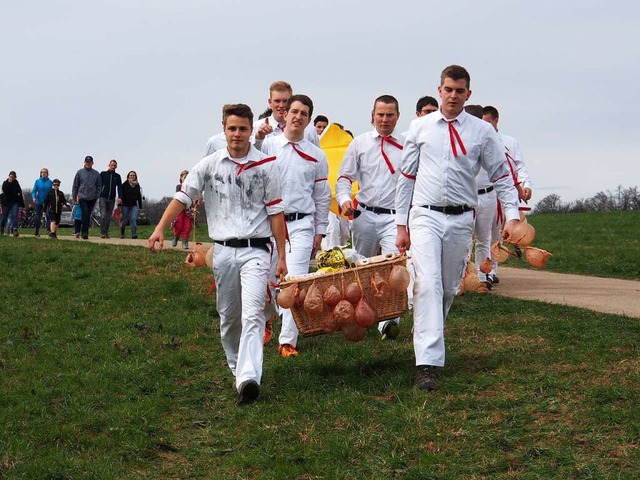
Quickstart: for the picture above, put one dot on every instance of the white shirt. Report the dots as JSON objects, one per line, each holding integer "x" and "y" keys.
{"x": 513, "y": 149}
{"x": 305, "y": 187}
{"x": 309, "y": 133}
{"x": 363, "y": 162}
{"x": 215, "y": 143}
{"x": 239, "y": 194}
{"x": 432, "y": 175}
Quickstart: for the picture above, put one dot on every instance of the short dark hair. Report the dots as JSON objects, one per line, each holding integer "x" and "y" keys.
{"x": 237, "y": 109}
{"x": 56, "y": 182}
{"x": 475, "y": 110}
{"x": 320, "y": 118}
{"x": 455, "y": 72}
{"x": 303, "y": 99}
{"x": 489, "y": 110}
{"x": 424, "y": 101}
{"x": 389, "y": 99}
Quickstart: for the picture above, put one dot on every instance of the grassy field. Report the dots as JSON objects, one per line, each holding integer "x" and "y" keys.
{"x": 599, "y": 244}
{"x": 112, "y": 367}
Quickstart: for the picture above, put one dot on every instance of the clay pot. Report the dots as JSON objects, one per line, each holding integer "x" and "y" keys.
{"x": 486, "y": 266}
{"x": 471, "y": 282}
{"x": 522, "y": 234}
{"x": 353, "y": 332}
{"x": 208, "y": 258}
{"x": 536, "y": 257}
{"x": 199, "y": 259}
{"x": 189, "y": 261}
{"x": 499, "y": 253}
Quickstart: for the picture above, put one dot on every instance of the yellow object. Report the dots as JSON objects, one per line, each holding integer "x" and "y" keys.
{"x": 334, "y": 143}
{"x": 331, "y": 260}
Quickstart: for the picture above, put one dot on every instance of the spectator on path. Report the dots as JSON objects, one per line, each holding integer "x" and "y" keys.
{"x": 182, "y": 224}
{"x": 12, "y": 200}
{"x": 41, "y": 187}
{"x": 53, "y": 205}
{"x": 131, "y": 204}
{"x": 85, "y": 191}
{"x": 110, "y": 194}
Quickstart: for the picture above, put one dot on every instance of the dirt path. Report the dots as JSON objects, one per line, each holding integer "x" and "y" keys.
{"x": 607, "y": 295}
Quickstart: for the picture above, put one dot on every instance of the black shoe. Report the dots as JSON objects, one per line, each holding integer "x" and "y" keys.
{"x": 426, "y": 377}
{"x": 248, "y": 393}
{"x": 495, "y": 279}
{"x": 391, "y": 330}
{"x": 103, "y": 236}
{"x": 134, "y": 237}
{"x": 85, "y": 236}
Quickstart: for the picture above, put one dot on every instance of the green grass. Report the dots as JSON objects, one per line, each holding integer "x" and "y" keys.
{"x": 603, "y": 244}
{"x": 144, "y": 231}
{"x": 112, "y": 367}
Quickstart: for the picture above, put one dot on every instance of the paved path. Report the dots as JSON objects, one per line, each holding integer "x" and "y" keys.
{"x": 607, "y": 295}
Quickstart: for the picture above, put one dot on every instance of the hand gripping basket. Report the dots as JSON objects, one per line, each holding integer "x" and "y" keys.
{"x": 391, "y": 306}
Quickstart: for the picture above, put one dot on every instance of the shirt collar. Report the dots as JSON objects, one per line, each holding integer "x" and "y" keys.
{"x": 461, "y": 118}
{"x": 254, "y": 155}
{"x": 395, "y": 135}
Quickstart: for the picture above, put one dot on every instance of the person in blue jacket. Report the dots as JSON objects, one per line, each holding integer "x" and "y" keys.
{"x": 41, "y": 188}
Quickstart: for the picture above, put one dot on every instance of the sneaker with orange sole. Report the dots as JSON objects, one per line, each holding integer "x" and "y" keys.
{"x": 286, "y": 350}
{"x": 268, "y": 331}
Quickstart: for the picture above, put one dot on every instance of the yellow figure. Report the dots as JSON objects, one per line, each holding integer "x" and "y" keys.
{"x": 334, "y": 143}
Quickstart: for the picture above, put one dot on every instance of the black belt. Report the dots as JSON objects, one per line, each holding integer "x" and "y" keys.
{"x": 482, "y": 191}
{"x": 377, "y": 209}
{"x": 290, "y": 217}
{"x": 245, "y": 242}
{"x": 449, "y": 209}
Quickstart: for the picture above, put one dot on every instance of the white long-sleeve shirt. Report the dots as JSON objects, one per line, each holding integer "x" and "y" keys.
{"x": 305, "y": 187}
{"x": 513, "y": 150}
{"x": 433, "y": 175}
{"x": 364, "y": 162}
{"x": 239, "y": 193}
{"x": 215, "y": 143}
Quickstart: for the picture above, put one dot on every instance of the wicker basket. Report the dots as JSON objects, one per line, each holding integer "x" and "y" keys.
{"x": 391, "y": 306}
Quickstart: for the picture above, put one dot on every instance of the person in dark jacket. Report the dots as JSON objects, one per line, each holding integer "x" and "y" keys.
{"x": 111, "y": 188}
{"x": 131, "y": 204}
{"x": 53, "y": 203}
{"x": 12, "y": 200}
{"x": 85, "y": 191}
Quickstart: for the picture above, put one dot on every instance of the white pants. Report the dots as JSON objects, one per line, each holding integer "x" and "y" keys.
{"x": 485, "y": 220}
{"x": 372, "y": 231}
{"x": 495, "y": 236}
{"x": 241, "y": 276}
{"x": 301, "y": 233}
{"x": 337, "y": 232}
{"x": 439, "y": 244}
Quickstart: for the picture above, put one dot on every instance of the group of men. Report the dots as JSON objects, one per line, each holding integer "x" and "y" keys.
{"x": 417, "y": 190}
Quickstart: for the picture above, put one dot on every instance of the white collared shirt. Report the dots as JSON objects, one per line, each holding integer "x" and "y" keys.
{"x": 305, "y": 187}
{"x": 513, "y": 149}
{"x": 363, "y": 162}
{"x": 239, "y": 194}
{"x": 310, "y": 133}
{"x": 215, "y": 143}
{"x": 432, "y": 175}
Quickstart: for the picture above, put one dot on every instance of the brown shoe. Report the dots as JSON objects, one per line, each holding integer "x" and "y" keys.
{"x": 426, "y": 377}
{"x": 287, "y": 350}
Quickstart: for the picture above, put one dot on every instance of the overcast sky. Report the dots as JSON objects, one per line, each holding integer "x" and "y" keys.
{"x": 144, "y": 81}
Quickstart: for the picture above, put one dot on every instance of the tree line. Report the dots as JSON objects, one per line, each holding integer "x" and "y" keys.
{"x": 621, "y": 199}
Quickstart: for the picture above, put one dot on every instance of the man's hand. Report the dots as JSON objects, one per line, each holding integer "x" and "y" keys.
{"x": 526, "y": 194}
{"x": 317, "y": 241}
{"x": 156, "y": 236}
{"x": 347, "y": 208}
{"x": 264, "y": 130}
{"x": 508, "y": 228}
{"x": 403, "y": 241}
{"x": 281, "y": 268}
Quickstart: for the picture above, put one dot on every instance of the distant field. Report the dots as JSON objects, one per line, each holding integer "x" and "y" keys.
{"x": 600, "y": 244}
{"x": 112, "y": 367}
